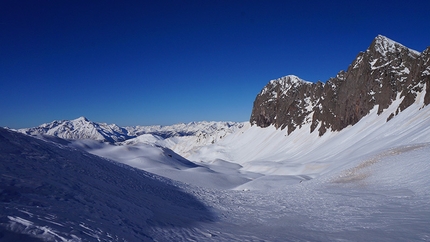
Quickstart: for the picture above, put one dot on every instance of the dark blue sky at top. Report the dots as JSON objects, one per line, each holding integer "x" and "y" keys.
{"x": 165, "y": 62}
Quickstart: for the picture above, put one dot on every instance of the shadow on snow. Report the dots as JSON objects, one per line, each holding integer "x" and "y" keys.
{"x": 45, "y": 186}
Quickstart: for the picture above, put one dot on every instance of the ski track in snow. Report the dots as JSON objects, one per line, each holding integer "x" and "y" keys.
{"x": 367, "y": 182}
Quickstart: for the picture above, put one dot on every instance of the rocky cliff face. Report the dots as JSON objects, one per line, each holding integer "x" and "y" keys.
{"x": 385, "y": 71}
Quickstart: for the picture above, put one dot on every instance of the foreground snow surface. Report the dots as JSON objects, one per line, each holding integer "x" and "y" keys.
{"x": 53, "y": 193}
{"x": 368, "y": 182}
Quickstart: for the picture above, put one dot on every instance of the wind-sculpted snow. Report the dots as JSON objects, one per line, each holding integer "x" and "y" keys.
{"x": 56, "y": 193}
{"x": 165, "y": 162}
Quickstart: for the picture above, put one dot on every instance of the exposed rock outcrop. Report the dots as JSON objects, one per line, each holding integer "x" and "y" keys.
{"x": 376, "y": 77}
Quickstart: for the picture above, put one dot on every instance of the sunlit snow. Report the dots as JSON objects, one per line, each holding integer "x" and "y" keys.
{"x": 367, "y": 182}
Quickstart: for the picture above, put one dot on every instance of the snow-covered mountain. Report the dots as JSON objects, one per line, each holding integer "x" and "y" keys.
{"x": 387, "y": 70}
{"x": 82, "y": 128}
{"x": 218, "y": 181}
{"x": 191, "y": 129}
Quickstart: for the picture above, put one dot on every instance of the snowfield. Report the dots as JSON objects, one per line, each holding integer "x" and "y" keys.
{"x": 236, "y": 182}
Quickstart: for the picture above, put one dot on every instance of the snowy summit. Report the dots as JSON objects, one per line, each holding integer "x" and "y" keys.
{"x": 385, "y": 45}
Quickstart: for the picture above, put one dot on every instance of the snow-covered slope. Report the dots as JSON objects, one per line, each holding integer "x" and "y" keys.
{"x": 366, "y": 182}
{"x": 165, "y": 162}
{"x": 55, "y": 193}
{"x": 183, "y": 138}
{"x": 302, "y": 155}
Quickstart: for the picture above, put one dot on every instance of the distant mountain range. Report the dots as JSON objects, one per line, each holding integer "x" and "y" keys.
{"x": 386, "y": 71}
{"x": 82, "y": 128}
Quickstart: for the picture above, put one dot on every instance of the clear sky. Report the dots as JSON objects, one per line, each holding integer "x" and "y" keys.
{"x": 164, "y": 62}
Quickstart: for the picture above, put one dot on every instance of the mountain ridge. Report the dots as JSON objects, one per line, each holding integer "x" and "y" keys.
{"x": 82, "y": 128}
{"x": 374, "y": 78}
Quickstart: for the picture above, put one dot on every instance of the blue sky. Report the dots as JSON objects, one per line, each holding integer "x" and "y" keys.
{"x": 166, "y": 62}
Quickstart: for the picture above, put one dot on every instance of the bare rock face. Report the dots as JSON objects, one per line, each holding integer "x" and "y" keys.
{"x": 286, "y": 103}
{"x": 385, "y": 71}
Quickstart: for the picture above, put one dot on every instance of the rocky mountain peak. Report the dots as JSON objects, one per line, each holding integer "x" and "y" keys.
{"x": 283, "y": 84}
{"x": 81, "y": 119}
{"x": 384, "y": 45}
{"x": 287, "y": 95}
{"x": 385, "y": 71}
{"x": 291, "y": 80}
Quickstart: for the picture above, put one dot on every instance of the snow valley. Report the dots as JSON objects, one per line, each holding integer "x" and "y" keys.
{"x": 294, "y": 175}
